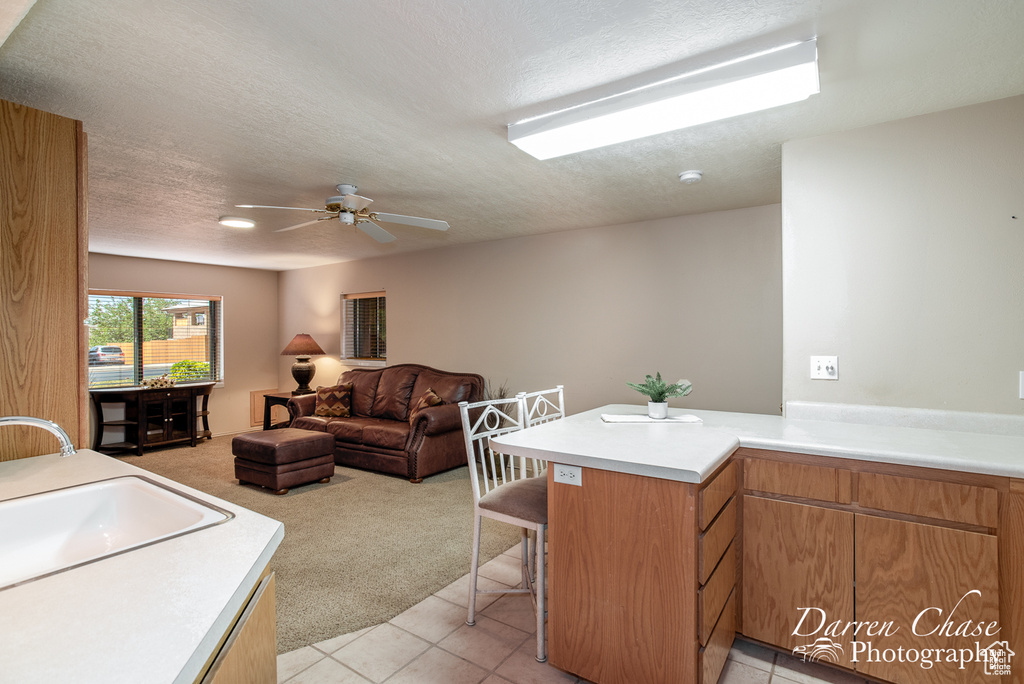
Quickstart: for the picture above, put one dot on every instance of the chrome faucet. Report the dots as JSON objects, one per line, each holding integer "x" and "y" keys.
{"x": 66, "y": 448}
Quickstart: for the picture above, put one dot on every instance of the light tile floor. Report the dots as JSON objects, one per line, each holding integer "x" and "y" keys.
{"x": 431, "y": 643}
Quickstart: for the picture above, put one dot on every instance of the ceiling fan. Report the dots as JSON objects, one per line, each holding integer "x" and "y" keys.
{"x": 351, "y": 209}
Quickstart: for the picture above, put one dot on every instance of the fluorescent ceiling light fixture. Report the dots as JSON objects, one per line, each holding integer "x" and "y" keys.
{"x": 764, "y": 80}
{"x": 236, "y": 222}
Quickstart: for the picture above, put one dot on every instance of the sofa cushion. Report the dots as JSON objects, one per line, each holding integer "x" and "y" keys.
{"x": 334, "y": 402}
{"x": 348, "y": 429}
{"x": 372, "y": 432}
{"x": 318, "y": 423}
{"x": 426, "y": 400}
{"x": 387, "y": 434}
{"x": 451, "y": 388}
{"x": 364, "y": 389}
{"x": 393, "y": 393}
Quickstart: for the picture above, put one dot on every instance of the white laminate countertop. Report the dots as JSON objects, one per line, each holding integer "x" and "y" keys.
{"x": 691, "y": 452}
{"x": 154, "y": 614}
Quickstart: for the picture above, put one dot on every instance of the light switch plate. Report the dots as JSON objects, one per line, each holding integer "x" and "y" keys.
{"x": 824, "y": 368}
{"x": 567, "y": 474}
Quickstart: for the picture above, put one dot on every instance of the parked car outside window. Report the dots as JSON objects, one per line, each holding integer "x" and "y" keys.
{"x": 105, "y": 354}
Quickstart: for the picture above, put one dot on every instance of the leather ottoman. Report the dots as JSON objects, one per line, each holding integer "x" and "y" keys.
{"x": 285, "y": 458}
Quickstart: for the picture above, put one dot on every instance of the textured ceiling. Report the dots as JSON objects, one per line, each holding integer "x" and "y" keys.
{"x": 194, "y": 106}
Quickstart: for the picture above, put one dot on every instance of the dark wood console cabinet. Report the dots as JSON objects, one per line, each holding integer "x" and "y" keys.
{"x": 152, "y": 417}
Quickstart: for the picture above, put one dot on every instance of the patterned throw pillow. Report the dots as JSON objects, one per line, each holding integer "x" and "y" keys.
{"x": 427, "y": 399}
{"x": 334, "y": 402}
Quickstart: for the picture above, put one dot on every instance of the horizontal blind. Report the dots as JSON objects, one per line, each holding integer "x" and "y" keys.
{"x": 365, "y": 322}
{"x": 157, "y": 334}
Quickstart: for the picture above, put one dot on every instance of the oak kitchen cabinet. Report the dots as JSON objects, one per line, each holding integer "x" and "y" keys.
{"x": 44, "y": 260}
{"x": 626, "y": 573}
{"x": 828, "y": 540}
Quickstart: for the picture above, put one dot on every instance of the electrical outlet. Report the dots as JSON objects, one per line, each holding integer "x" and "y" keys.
{"x": 824, "y": 368}
{"x": 567, "y": 474}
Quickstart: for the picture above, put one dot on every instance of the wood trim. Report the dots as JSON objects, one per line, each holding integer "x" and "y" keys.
{"x": 713, "y": 543}
{"x": 927, "y": 498}
{"x": 158, "y": 295}
{"x": 998, "y": 482}
{"x": 716, "y": 493}
{"x": 364, "y": 295}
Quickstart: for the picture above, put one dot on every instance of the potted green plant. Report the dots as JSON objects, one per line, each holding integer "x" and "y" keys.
{"x": 658, "y": 392}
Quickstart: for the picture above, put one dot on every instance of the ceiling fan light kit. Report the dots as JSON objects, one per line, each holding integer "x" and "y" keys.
{"x": 353, "y": 210}
{"x": 236, "y": 222}
{"x": 772, "y": 78}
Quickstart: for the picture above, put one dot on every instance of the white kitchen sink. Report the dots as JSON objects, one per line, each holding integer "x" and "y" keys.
{"x": 49, "y": 532}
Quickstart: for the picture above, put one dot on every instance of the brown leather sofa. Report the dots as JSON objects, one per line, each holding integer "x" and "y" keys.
{"x": 378, "y": 435}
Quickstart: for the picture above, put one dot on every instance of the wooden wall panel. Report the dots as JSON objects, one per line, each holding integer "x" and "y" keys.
{"x": 40, "y": 278}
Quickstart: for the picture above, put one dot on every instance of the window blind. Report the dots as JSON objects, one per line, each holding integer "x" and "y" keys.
{"x": 364, "y": 320}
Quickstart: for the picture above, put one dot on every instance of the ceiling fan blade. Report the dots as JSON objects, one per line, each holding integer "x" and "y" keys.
{"x": 433, "y": 224}
{"x": 356, "y": 202}
{"x": 264, "y": 206}
{"x": 306, "y": 223}
{"x": 375, "y": 231}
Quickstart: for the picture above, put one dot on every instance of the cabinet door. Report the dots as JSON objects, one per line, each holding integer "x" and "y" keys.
{"x": 249, "y": 655}
{"x": 154, "y": 420}
{"x": 796, "y": 557}
{"x": 623, "y": 586}
{"x": 905, "y": 568}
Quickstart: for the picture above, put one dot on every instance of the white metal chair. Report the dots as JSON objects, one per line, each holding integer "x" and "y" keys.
{"x": 542, "y": 407}
{"x": 502, "y": 491}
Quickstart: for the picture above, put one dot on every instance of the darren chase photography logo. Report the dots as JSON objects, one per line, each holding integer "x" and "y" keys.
{"x": 828, "y": 641}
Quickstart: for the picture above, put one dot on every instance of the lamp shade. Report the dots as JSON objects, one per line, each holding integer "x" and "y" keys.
{"x": 302, "y": 345}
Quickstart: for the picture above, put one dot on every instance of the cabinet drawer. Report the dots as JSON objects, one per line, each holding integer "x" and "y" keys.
{"x": 793, "y": 479}
{"x": 715, "y": 653}
{"x": 715, "y": 495}
{"x": 716, "y": 540}
{"x": 929, "y": 498}
{"x": 712, "y": 596}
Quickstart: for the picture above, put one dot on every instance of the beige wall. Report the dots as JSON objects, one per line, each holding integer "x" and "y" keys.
{"x": 693, "y": 296}
{"x": 251, "y": 351}
{"x": 901, "y": 257}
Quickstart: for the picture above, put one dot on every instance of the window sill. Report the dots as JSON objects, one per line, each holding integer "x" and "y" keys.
{"x": 365, "y": 363}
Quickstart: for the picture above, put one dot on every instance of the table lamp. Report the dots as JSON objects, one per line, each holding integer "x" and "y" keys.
{"x": 302, "y": 347}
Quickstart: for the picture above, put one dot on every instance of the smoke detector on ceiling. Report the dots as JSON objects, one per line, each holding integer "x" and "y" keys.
{"x": 691, "y": 177}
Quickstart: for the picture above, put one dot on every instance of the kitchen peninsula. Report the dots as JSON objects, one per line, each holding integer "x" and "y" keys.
{"x": 668, "y": 539}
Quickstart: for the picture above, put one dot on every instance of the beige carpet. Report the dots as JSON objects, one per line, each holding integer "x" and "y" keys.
{"x": 358, "y": 550}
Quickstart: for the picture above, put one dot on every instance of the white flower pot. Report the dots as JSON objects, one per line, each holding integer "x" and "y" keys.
{"x": 657, "y": 409}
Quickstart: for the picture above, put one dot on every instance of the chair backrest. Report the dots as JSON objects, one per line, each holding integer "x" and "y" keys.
{"x": 482, "y": 420}
{"x": 544, "y": 406}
